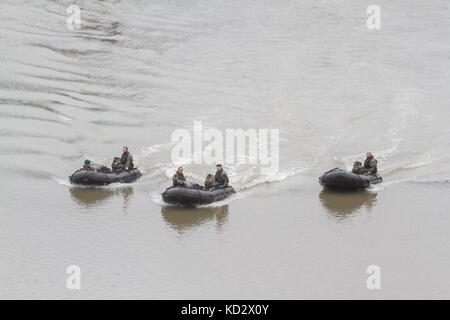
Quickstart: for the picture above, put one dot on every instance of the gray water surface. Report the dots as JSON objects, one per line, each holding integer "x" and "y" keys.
{"x": 138, "y": 70}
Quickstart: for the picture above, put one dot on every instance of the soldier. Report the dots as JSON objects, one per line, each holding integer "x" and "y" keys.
{"x": 88, "y": 166}
{"x": 221, "y": 178}
{"x": 370, "y": 164}
{"x": 357, "y": 166}
{"x": 126, "y": 161}
{"x": 209, "y": 181}
{"x": 178, "y": 178}
{"x": 115, "y": 164}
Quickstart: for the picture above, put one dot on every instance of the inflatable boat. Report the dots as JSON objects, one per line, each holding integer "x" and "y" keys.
{"x": 192, "y": 196}
{"x": 338, "y": 179}
{"x": 103, "y": 176}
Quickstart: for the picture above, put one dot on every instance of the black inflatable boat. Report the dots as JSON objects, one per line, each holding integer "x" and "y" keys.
{"x": 339, "y": 179}
{"x": 103, "y": 176}
{"x": 195, "y": 196}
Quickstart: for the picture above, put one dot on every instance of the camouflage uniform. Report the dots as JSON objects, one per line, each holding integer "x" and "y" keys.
{"x": 178, "y": 179}
{"x": 209, "y": 182}
{"x": 221, "y": 179}
{"x": 126, "y": 160}
{"x": 88, "y": 168}
{"x": 370, "y": 165}
{"x": 357, "y": 167}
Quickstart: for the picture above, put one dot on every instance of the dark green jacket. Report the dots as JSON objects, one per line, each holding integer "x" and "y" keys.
{"x": 178, "y": 179}
{"x": 358, "y": 170}
{"x": 127, "y": 160}
{"x": 221, "y": 179}
{"x": 370, "y": 164}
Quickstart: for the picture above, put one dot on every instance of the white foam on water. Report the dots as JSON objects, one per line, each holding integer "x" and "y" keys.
{"x": 63, "y": 182}
{"x": 156, "y": 148}
{"x": 157, "y": 198}
{"x": 242, "y": 176}
{"x": 64, "y": 118}
{"x": 382, "y": 186}
{"x": 426, "y": 159}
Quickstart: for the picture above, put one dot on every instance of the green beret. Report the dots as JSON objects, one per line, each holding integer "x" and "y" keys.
{"x": 87, "y": 162}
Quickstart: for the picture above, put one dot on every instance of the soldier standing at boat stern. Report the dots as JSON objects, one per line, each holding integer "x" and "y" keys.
{"x": 220, "y": 179}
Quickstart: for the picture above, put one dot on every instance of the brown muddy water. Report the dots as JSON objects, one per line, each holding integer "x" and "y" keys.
{"x": 137, "y": 71}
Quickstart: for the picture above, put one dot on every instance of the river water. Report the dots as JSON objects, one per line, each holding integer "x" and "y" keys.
{"x": 138, "y": 70}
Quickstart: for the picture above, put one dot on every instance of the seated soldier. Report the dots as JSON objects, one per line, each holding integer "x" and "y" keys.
{"x": 370, "y": 164}
{"x": 209, "y": 182}
{"x": 357, "y": 167}
{"x": 179, "y": 179}
{"x": 88, "y": 166}
{"x": 221, "y": 178}
{"x": 115, "y": 164}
